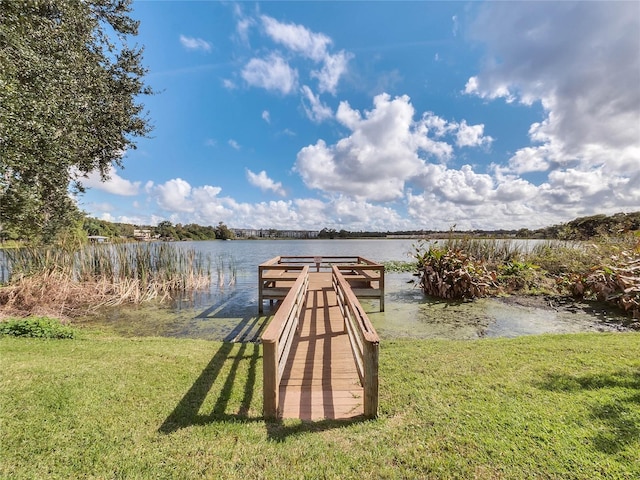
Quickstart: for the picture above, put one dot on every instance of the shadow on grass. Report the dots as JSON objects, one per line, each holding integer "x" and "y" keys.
{"x": 279, "y": 432}
{"x": 621, "y": 414}
{"x": 187, "y": 411}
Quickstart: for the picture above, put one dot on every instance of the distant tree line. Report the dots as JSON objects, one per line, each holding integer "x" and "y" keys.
{"x": 582, "y": 228}
{"x": 165, "y": 230}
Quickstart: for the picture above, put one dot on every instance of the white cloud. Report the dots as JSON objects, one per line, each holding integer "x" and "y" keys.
{"x": 272, "y": 73}
{"x": 314, "y": 46}
{"x": 174, "y": 195}
{"x": 386, "y": 149}
{"x": 187, "y": 204}
{"x": 115, "y": 185}
{"x": 229, "y": 84}
{"x": 243, "y": 24}
{"x": 191, "y": 43}
{"x": 332, "y": 70}
{"x": 264, "y": 183}
{"x": 456, "y": 25}
{"x": 242, "y": 28}
{"x": 581, "y": 61}
{"x": 316, "y": 110}
{"x": 297, "y": 38}
{"x": 266, "y": 116}
{"x": 233, "y": 144}
{"x": 104, "y": 207}
{"x": 471, "y": 135}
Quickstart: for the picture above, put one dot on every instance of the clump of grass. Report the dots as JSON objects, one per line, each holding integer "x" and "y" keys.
{"x": 453, "y": 273}
{"x": 67, "y": 282}
{"x": 492, "y": 252}
{"x": 36, "y": 327}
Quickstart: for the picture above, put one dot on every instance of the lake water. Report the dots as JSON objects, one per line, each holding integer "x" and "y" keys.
{"x": 228, "y": 311}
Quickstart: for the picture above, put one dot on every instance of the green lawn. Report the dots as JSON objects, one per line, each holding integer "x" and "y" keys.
{"x": 565, "y": 406}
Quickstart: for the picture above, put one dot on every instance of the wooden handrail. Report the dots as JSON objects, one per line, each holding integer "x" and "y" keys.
{"x": 277, "y": 339}
{"x": 367, "y": 279}
{"x": 364, "y": 341}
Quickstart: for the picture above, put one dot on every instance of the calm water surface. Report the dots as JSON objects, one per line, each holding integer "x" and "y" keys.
{"x": 228, "y": 311}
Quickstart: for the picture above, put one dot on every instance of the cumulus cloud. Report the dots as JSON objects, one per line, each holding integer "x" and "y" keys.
{"x": 271, "y": 73}
{"x": 581, "y": 62}
{"x": 182, "y": 202}
{"x": 387, "y": 148}
{"x": 191, "y": 43}
{"x": 471, "y": 135}
{"x": 115, "y": 184}
{"x": 264, "y": 183}
{"x": 175, "y": 195}
{"x": 266, "y": 116}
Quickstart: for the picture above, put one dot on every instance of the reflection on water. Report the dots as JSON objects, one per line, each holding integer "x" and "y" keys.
{"x": 229, "y": 310}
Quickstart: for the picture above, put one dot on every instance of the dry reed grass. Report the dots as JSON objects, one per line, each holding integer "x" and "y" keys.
{"x": 63, "y": 283}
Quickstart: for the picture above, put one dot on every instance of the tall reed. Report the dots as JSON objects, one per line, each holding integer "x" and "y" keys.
{"x": 98, "y": 275}
{"x": 492, "y": 251}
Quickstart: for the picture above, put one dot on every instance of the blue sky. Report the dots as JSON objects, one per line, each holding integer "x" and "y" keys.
{"x": 382, "y": 115}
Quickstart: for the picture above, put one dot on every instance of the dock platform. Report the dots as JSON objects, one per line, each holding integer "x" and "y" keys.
{"x": 320, "y": 350}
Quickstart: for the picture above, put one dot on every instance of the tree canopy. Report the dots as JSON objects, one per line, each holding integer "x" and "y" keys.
{"x": 69, "y": 105}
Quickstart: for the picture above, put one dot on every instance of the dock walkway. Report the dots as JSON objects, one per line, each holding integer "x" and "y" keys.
{"x": 320, "y": 379}
{"x": 320, "y": 349}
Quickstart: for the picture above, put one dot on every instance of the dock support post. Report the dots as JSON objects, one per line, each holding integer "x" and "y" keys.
{"x": 370, "y": 360}
{"x": 270, "y": 388}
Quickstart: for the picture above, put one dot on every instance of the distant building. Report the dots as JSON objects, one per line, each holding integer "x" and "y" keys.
{"x": 272, "y": 233}
{"x": 142, "y": 234}
{"x": 97, "y": 239}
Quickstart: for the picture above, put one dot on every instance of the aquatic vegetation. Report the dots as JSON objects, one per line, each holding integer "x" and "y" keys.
{"x": 606, "y": 269}
{"x": 453, "y": 273}
{"x": 396, "y": 266}
{"x": 65, "y": 282}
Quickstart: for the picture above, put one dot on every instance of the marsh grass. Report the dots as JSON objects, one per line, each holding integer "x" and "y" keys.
{"x": 606, "y": 269}
{"x": 541, "y": 407}
{"x": 492, "y": 252}
{"x": 66, "y": 282}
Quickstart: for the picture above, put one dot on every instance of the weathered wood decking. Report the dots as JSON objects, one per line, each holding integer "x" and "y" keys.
{"x": 320, "y": 349}
{"x": 320, "y": 379}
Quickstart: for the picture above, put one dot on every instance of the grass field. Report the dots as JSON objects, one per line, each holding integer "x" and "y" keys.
{"x": 565, "y": 406}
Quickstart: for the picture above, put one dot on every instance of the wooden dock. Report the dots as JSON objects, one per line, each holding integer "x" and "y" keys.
{"x": 320, "y": 379}
{"x": 320, "y": 350}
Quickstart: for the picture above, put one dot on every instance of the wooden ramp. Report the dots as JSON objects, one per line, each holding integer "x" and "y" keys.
{"x": 320, "y": 379}
{"x": 320, "y": 351}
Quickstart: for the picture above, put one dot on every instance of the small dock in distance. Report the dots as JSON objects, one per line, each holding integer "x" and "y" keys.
{"x": 320, "y": 349}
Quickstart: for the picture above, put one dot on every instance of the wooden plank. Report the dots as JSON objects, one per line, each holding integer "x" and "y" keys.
{"x": 320, "y": 379}
{"x": 271, "y": 389}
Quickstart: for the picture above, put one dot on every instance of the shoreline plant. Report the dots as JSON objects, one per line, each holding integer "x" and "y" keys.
{"x": 606, "y": 269}
{"x": 69, "y": 282}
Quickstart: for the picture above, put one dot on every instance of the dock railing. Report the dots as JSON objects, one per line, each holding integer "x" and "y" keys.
{"x": 277, "y": 340}
{"x": 275, "y": 276}
{"x": 364, "y": 340}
